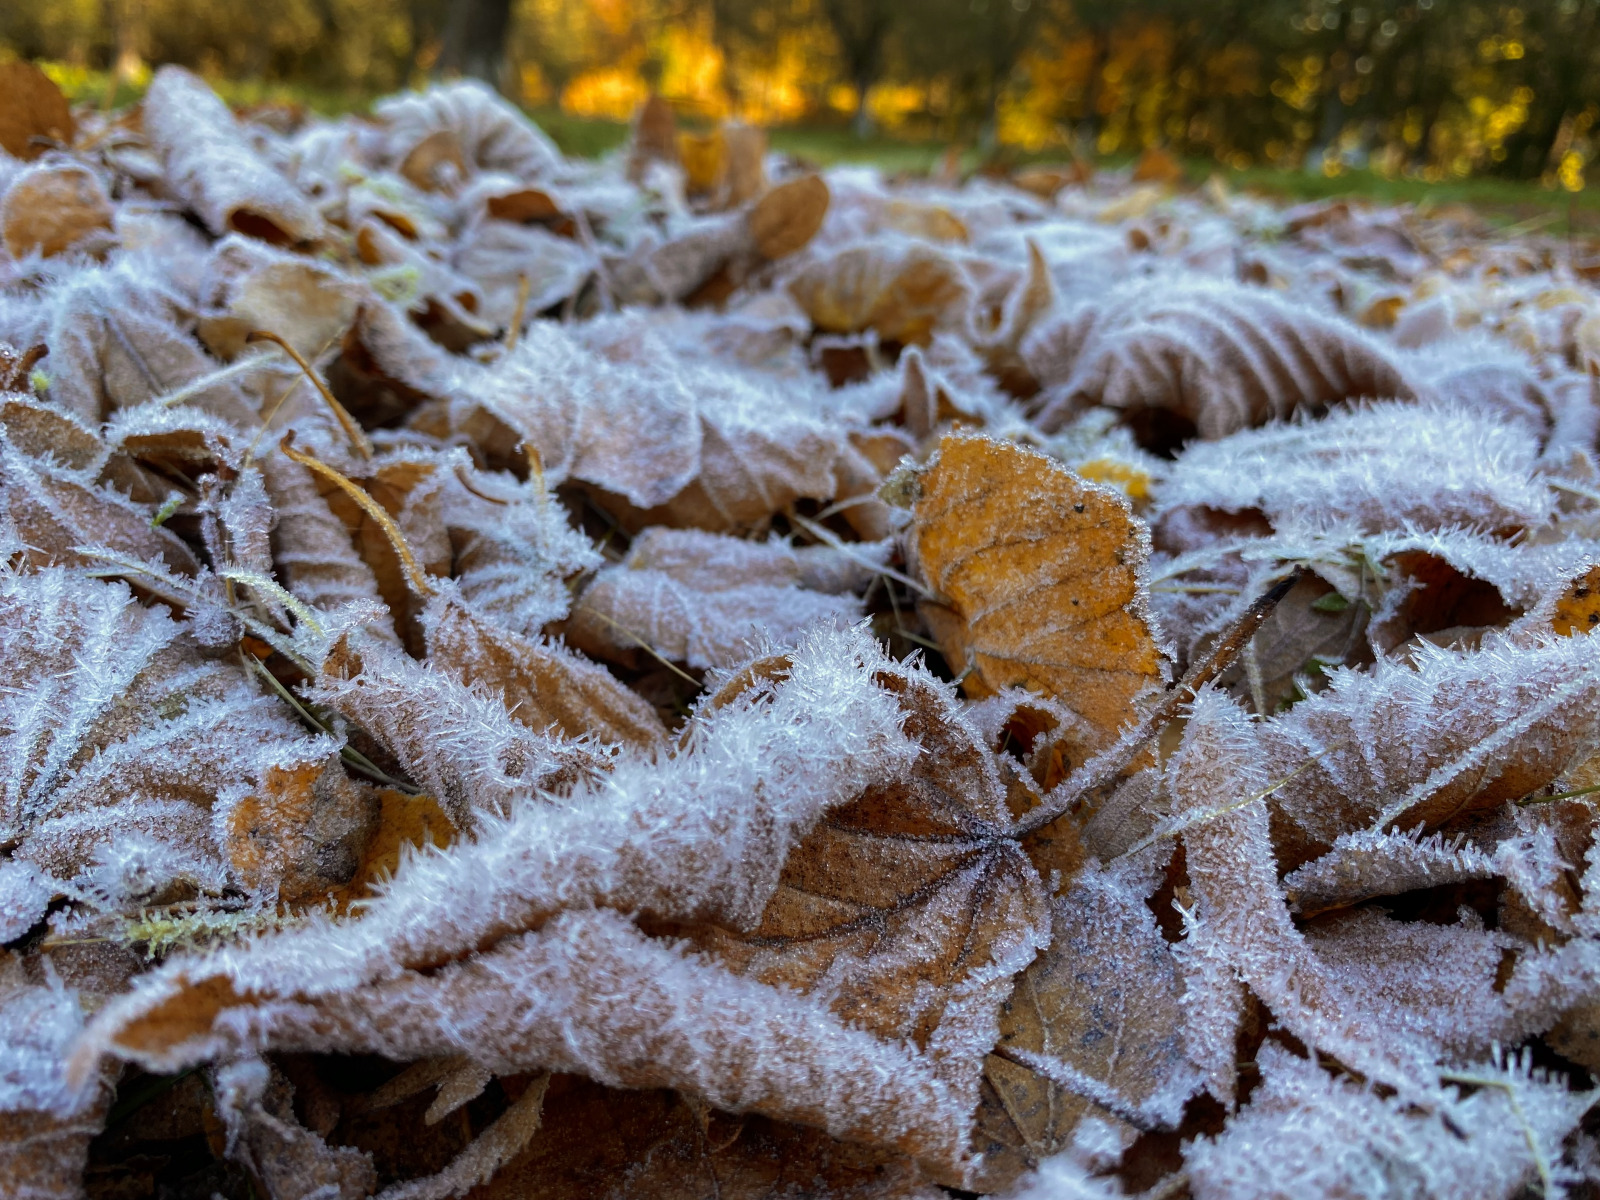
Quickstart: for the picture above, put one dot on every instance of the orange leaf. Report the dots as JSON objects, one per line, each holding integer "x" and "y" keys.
{"x": 1578, "y": 610}
{"x": 1039, "y": 575}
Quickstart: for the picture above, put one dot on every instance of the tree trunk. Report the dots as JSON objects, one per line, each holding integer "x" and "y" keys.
{"x": 475, "y": 40}
{"x": 861, "y": 124}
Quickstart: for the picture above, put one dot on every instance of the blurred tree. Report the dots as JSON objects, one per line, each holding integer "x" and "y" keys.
{"x": 973, "y": 47}
{"x": 475, "y": 40}
{"x": 862, "y": 29}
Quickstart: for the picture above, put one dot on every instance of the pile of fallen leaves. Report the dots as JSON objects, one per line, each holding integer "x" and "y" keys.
{"x": 688, "y": 676}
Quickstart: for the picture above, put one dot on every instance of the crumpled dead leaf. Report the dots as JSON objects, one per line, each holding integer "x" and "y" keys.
{"x": 53, "y": 209}
{"x": 213, "y": 169}
{"x": 33, "y": 113}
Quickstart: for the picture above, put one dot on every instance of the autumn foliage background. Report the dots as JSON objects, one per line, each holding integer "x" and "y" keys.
{"x": 1433, "y": 89}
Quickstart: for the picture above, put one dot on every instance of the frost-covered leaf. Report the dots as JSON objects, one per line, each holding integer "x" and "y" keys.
{"x": 1039, "y": 582}
{"x": 212, "y": 168}
{"x": 1221, "y": 358}
{"x": 45, "y": 1124}
{"x": 134, "y": 762}
{"x": 469, "y": 126}
{"x": 52, "y": 209}
{"x": 57, "y": 511}
{"x": 1094, "y": 1030}
{"x": 1418, "y": 743}
{"x": 542, "y": 684}
{"x": 903, "y": 290}
{"x": 1306, "y": 1132}
{"x": 1378, "y": 468}
{"x": 700, "y": 598}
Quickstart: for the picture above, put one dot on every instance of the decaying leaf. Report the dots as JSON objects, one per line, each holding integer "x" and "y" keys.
{"x": 34, "y": 113}
{"x": 1094, "y": 1029}
{"x": 1218, "y": 358}
{"x": 788, "y": 216}
{"x": 50, "y": 209}
{"x": 1038, "y": 582}
{"x": 215, "y": 171}
{"x": 700, "y": 598}
{"x": 903, "y": 290}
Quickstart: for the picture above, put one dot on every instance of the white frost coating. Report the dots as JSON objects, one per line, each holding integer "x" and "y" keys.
{"x": 490, "y": 133}
{"x": 700, "y": 835}
{"x": 1062, "y": 1177}
{"x": 25, "y": 894}
{"x": 589, "y": 993}
{"x": 1427, "y": 739}
{"x": 1367, "y": 862}
{"x": 38, "y": 1023}
{"x": 702, "y": 598}
{"x": 1307, "y": 1133}
{"x": 1216, "y": 779}
{"x": 515, "y": 548}
{"x": 116, "y": 738}
{"x": 456, "y": 742}
{"x": 1384, "y": 467}
{"x": 212, "y": 168}
{"x": 1223, "y": 355}
{"x": 580, "y": 412}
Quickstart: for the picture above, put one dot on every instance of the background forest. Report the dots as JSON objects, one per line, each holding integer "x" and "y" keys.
{"x": 1425, "y": 89}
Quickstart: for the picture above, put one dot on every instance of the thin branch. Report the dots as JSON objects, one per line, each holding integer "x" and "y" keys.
{"x": 1105, "y": 768}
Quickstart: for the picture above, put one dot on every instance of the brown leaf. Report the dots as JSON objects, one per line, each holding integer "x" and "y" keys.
{"x": 655, "y": 136}
{"x": 909, "y": 910}
{"x": 56, "y": 510}
{"x": 45, "y": 1130}
{"x": 1312, "y": 630}
{"x": 788, "y": 216}
{"x": 287, "y": 1160}
{"x": 1095, "y": 1025}
{"x": 746, "y": 174}
{"x": 307, "y": 831}
{"x": 40, "y": 430}
{"x": 489, "y": 133}
{"x": 698, "y": 598}
{"x": 1419, "y": 743}
{"x": 435, "y": 162}
{"x": 403, "y": 820}
{"x": 1216, "y": 357}
{"x": 249, "y": 287}
{"x": 601, "y": 1144}
{"x": 458, "y": 744}
{"x": 311, "y": 546}
{"x": 33, "y": 112}
{"x": 922, "y": 220}
{"x": 1038, "y": 576}
{"x": 541, "y": 684}
{"x": 50, "y": 210}
{"x": 904, "y": 290}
